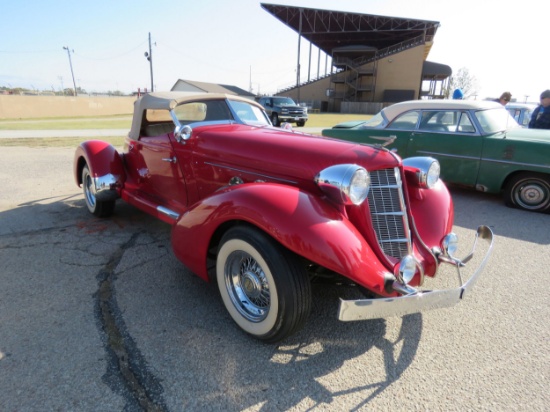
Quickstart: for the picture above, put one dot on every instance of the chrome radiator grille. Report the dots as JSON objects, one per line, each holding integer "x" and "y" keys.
{"x": 388, "y": 213}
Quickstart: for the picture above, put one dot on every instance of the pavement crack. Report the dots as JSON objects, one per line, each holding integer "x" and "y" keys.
{"x": 127, "y": 371}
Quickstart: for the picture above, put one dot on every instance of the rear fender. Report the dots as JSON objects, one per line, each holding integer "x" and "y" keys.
{"x": 103, "y": 160}
{"x": 305, "y": 224}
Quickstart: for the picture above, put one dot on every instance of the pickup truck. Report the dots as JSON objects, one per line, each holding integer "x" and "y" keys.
{"x": 284, "y": 109}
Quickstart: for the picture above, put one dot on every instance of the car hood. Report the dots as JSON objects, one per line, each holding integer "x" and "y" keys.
{"x": 532, "y": 135}
{"x": 282, "y": 154}
{"x": 349, "y": 125}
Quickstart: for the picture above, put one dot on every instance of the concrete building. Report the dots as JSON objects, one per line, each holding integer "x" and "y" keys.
{"x": 372, "y": 60}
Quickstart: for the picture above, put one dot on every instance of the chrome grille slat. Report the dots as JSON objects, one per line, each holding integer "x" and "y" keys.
{"x": 388, "y": 216}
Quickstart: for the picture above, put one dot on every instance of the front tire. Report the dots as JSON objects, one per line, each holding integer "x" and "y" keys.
{"x": 263, "y": 287}
{"x": 528, "y": 191}
{"x": 99, "y": 208}
{"x": 275, "y": 119}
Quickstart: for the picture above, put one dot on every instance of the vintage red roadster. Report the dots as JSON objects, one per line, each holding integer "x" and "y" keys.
{"x": 262, "y": 211}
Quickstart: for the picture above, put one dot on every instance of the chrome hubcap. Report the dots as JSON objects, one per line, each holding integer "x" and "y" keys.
{"x": 247, "y": 285}
{"x": 532, "y": 195}
{"x": 88, "y": 190}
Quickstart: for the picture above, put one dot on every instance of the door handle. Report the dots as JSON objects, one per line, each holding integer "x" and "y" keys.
{"x": 170, "y": 159}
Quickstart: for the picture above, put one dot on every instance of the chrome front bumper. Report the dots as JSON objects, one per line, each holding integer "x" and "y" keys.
{"x": 417, "y": 301}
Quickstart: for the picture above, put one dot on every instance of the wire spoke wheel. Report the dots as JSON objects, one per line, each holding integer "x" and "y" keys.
{"x": 263, "y": 286}
{"x": 247, "y": 286}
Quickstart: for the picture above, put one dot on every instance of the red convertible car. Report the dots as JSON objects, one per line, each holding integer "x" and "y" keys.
{"x": 263, "y": 211}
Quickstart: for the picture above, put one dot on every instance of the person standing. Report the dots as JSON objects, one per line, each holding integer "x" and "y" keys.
{"x": 540, "y": 119}
{"x": 505, "y": 98}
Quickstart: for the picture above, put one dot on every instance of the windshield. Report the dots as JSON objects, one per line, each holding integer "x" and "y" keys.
{"x": 283, "y": 101}
{"x": 495, "y": 120}
{"x": 249, "y": 114}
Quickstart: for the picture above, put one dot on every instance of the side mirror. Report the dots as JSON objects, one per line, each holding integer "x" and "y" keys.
{"x": 181, "y": 133}
{"x": 286, "y": 126}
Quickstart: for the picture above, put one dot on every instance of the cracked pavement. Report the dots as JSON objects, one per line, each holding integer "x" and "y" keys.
{"x": 97, "y": 314}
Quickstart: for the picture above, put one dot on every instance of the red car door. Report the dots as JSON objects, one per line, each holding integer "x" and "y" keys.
{"x": 157, "y": 173}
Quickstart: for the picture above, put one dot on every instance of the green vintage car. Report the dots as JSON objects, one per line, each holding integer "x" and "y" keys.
{"x": 477, "y": 143}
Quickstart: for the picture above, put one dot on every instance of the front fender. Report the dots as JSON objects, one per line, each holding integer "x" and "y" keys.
{"x": 433, "y": 212}
{"x": 306, "y": 224}
{"x": 102, "y": 160}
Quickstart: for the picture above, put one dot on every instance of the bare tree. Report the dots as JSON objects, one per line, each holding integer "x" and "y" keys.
{"x": 462, "y": 80}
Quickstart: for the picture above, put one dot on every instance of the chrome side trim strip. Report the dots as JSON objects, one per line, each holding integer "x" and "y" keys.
{"x": 484, "y": 159}
{"x": 170, "y": 213}
{"x": 252, "y": 173}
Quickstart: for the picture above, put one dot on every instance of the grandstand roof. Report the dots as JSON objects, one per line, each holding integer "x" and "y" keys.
{"x": 329, "y": 30}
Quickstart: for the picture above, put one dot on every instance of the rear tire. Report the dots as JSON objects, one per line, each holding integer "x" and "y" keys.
{"x": 528, "y": 191}
{"x": 263, "y": 287}
{"x": 99, "y": 208}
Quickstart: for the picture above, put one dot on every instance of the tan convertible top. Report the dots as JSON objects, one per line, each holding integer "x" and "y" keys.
{"x": 168, "y": 101}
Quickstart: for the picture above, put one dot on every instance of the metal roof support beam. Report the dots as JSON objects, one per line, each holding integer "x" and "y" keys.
{"x": 298, "y": 63}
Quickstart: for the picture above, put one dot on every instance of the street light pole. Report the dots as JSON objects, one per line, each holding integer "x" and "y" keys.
{"x": 71, "y": 64}
{"x": 149, "y": 57}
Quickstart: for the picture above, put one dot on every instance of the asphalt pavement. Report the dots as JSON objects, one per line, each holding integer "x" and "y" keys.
{"x": 98, "y": 314}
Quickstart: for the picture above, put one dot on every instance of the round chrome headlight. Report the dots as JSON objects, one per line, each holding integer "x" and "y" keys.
{"x": 359, "y": 186}
{"x": 450, "y": 244}
{"x": 347, "y": 183}
{"x": 427, "y": 170}
{"x": 433, "y": 174}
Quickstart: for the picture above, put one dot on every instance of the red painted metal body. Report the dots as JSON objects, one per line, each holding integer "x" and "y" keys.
{"x": 275, "y": 170}
{"x": 103, "y": 158}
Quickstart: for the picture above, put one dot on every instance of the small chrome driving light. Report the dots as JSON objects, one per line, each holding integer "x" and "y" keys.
{"x": 346, "y": 183}
{"x": 450, "y": 244}
{"x": 406, "y": 269}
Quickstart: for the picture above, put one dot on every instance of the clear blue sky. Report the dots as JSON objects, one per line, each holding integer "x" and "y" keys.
{"x": 502, "y": 43}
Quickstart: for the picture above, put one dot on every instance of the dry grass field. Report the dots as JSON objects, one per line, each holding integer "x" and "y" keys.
{"x": 316, "y": 120}
{"x": 124, "y": 122}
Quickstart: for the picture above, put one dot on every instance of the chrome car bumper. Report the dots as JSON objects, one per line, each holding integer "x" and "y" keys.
{"x": 418, "y": 301}
{"x": 104, "y": 187}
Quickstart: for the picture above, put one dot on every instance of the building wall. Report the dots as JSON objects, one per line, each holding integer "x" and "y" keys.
{"x": 182, "y": 86}
{"x": 28, "y": 107}
{"x": 314, "y": 91}
{"x": 401, "y": 71}
{"x": 314, "y": 94}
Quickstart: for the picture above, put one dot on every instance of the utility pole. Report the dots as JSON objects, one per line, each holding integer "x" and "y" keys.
{"x": 149, "y": 57}
{"x": 71, "y": 64}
